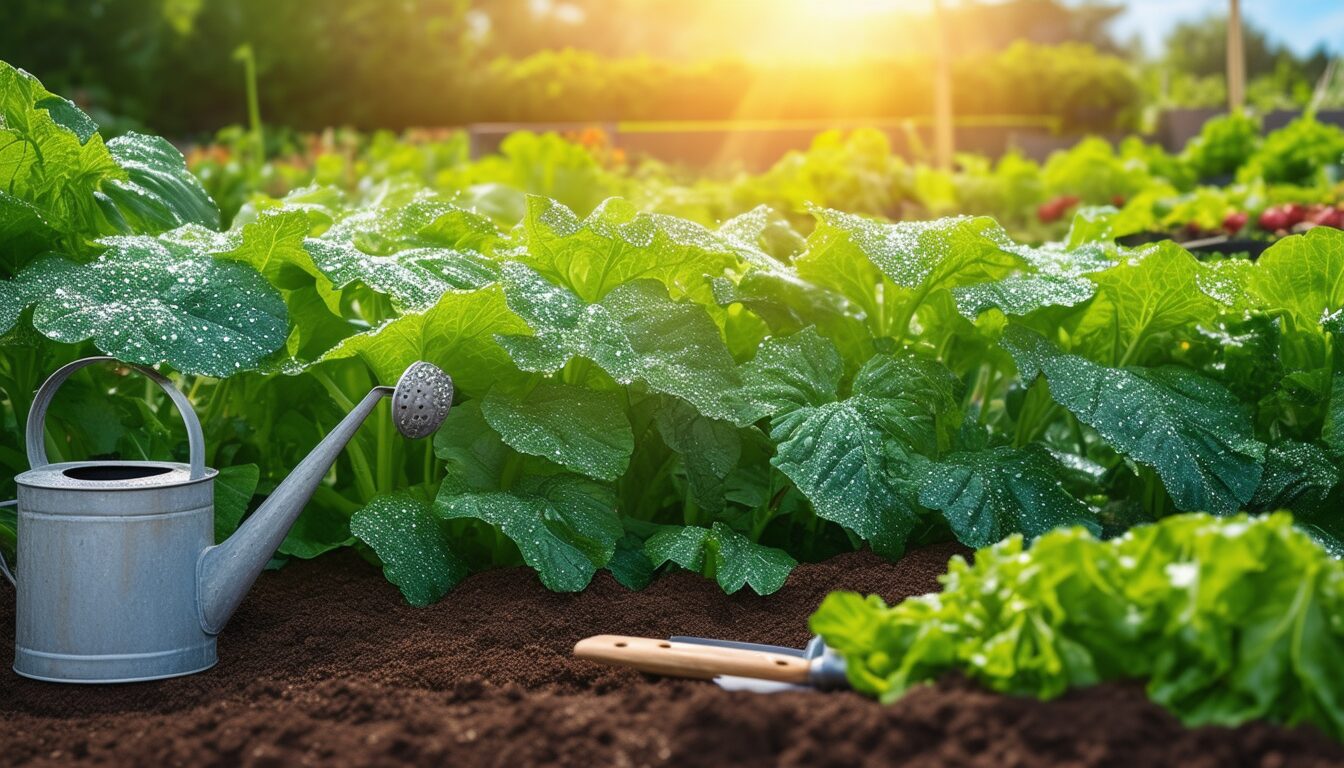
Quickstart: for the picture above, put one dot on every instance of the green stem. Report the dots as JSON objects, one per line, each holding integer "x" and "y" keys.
{"x": 385, "y": 450}
{"x": 1130, "y": 351}
{"x": 690, "y": 512}
{"x": 902, "y": 324}
{"x": 257, "y": 157}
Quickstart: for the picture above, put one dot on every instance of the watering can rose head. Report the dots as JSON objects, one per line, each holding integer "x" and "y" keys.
{"x": 117, "y": 577}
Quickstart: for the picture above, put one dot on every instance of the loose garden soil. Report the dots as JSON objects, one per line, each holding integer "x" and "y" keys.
{"x": 325, "y": 665}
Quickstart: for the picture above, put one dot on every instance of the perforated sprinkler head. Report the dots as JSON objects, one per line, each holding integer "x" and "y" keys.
{"x": 421, "y": 400}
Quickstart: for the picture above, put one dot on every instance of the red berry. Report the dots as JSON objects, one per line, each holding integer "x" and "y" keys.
{"x": 1234, "y": 222}
{"x": 1274, "y": 219}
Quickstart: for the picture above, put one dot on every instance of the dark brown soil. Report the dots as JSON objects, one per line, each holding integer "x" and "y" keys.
{"x": 324, "y": 665}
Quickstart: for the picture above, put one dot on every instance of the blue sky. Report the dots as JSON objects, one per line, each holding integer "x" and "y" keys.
{"x": 1302, "y": 24}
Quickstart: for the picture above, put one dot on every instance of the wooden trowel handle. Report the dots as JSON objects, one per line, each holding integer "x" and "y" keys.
{"x": 664, "y": 657}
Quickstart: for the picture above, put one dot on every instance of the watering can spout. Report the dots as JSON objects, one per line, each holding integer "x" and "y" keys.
{"x": 225, "y": 572}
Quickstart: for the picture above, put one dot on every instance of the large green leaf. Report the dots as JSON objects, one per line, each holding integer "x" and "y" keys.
{"x": 421, "y": 223}
{"x": 850, "y": 457}
{"x": 637, "y": 332}
{"x": 565, "y": 526}
{"x": 457, "y": 334}
{"x": 416, "y": 553}
{"x": 629, "y": 565}
{"x": 732, "y": 559}
{"x": 1301, "y": 275}
{"x": 1298, "y": 477}
{"x": 989, "y": 494}
{"x": 474, "y": 452}
{"x": 50, "y": 155}
{"x": 709, "y": 450}
{"x": 24, "y": 233}
{"x": 320, "y": 529}
{"x": 415, "y": 278}
{"x": 233, "y": 492}
{"x": 158, "y": 193}
{"x": 272, "y": 244}
{"x": 791, "y": 373}
{"x": 889, "y": 269}
{"x": 144, "y": 301}
{"x": 1051, "y": 276}
{"x": 842, "y": 462}
{"x": 617, "y": 245}
{"x": 1332, "y": 432}
{"x": 579, "y": 429}
{"x": 1187, "y": 427}
{"x": 1151, "y": 292}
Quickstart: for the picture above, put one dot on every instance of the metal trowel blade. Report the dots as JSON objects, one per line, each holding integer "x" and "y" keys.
{"x": 757, "y": 685}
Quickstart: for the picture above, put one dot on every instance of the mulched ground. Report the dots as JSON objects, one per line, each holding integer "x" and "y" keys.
{"x": 324, "y": 665}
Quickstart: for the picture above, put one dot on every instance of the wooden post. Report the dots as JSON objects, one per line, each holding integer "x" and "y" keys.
{"x": 942, "y": 92}
{"x": 1236, "y": 60}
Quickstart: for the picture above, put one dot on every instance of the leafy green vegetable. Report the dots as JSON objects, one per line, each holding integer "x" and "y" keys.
{"x": 457, "y": 334}
{"x": 636, "y": 382}
{"x": 635, "y": 333}
{"x": 580, "y": 429}
{"x": 1188, "y": 428}
{"x": 990, "y": 494}
{"x": 412, "y": 544}
{"x": 565, "y": 526}
{"x": 1300, "y": 276}
{"x": 1227, "y": 620}
{"x": 849, "y": 456}
{"x": 724, "y": 555}
{"x": 145, "y": 301}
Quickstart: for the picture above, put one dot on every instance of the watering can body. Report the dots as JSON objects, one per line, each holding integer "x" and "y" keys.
{"x": 118, "y": 575}
{"x": 106, "y": 577}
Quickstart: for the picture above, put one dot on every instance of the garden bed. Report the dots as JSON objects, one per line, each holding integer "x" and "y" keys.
{"x": 325, "y": 664}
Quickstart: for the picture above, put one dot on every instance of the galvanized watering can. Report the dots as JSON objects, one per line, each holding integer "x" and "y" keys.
{"x": 118, "y": 579}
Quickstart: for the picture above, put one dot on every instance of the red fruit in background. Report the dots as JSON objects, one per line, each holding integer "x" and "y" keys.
{"x": 1118, "y": 201}
{"x": 1053, "y": 210}
{"x": 1273, "y": 219}
{"x": 1326, "y": 216}
{"x": 1234, "y": 222}
{"x": 1296, "y": 213}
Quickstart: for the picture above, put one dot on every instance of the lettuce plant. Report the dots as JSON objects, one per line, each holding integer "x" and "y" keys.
{"x": 1225, "y": 620}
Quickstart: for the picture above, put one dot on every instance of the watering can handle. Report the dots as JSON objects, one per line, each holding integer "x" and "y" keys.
{"x": 37, "y": 416}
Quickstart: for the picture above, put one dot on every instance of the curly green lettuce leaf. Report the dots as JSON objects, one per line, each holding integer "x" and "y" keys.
{"x": 1226, "y": 619}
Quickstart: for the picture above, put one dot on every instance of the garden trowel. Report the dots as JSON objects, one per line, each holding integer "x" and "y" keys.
{"x": 733, "y": 665}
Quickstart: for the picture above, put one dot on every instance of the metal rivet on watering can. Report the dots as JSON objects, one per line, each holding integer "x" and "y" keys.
{"x": 117, "y": 579}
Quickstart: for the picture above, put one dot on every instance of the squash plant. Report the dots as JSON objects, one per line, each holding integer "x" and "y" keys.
{"x": 637, "y": 390}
